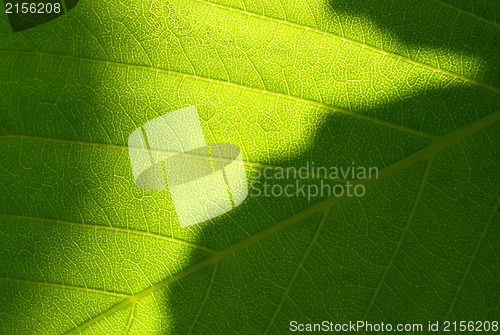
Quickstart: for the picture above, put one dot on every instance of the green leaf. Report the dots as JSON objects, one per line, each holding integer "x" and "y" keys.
{"x": 411, "y": 88}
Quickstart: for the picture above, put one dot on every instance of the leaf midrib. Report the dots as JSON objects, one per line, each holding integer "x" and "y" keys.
{"x": 431, "y": 150}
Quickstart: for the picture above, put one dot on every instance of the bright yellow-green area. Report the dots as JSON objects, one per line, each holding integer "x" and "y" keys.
{"x": 412, "y": 89}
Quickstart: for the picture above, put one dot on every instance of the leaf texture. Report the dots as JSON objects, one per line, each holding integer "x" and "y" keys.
{"x": 411, "y": 88}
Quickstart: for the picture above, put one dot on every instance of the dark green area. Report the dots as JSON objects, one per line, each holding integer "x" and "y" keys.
{"x": 20, "y": 21}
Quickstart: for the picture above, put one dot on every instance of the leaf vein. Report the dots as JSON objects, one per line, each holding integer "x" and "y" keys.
{"x": 111, "y": 228}
{"x": 307, "y": 174}
{"x": 300, "y": 266}
{"x": 401, "y": 240}
{"x": 205, "y": 300}
{"x": 361, "y": 44}
{"x": 470, "y": 14}
{"x": 473, "y": 257}
{"x": 241, "y": 86}
{"x": 63, "y": 286}
{"x": 432, "y": 149}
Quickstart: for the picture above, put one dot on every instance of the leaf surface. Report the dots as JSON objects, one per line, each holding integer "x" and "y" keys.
{"x": 411, "y": 89}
